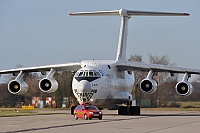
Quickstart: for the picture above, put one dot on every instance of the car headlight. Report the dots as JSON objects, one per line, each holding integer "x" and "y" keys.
{"x": 100, "y": 112}
{"x": 90, "y": 112}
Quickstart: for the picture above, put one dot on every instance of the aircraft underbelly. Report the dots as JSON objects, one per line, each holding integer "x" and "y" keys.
{"x": 115, "y": 93}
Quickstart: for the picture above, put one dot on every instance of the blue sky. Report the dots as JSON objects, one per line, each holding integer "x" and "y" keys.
{"x": 40, "y": 32}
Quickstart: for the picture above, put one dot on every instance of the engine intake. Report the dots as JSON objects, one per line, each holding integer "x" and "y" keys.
{"x": 18, "y": 86}
{"x": 184, "y": 88}
{"x": 148, "y": 85}
{"x": 48, "y": 84}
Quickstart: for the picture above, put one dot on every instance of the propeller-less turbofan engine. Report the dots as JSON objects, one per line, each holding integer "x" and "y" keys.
{"x": 148, "y": 84}
{"x": 184, "y": 88}
{"x": 18, "y": 86}
{"x": 48, "y": 84}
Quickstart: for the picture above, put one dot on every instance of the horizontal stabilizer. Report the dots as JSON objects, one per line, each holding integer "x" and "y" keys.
{"x": 124, "y": 12}
{"x": 97, "y": 13}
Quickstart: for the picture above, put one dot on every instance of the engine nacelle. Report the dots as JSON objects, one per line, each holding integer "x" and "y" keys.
{"x": 148, "y": 85}
{"x": 48, "y": 85}
{"x": 18, "y": 87}
{"x": 184, "y": 88}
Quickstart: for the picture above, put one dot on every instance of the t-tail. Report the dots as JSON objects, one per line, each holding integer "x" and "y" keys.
{"x": 125, "y": 16}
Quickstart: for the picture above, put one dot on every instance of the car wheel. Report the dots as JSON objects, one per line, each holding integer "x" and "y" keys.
{"x": 90, "y": 118}
{"x": 75, "y": 116}
{"x": 85, "y": 116}
{"x": 100, "y": 118}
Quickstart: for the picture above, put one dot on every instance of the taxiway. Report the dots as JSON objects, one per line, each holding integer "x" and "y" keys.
{"x": 148, "y": 122}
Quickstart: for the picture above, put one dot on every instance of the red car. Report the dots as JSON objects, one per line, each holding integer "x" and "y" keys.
{"x": 87, "y": 111}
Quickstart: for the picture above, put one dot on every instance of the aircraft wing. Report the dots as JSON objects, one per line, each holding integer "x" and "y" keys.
{"x": 130, "y": 65}
{"x": 73, "y": 66}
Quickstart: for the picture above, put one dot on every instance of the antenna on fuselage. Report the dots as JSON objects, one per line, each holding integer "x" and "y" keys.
{"x": 125, "y": 16}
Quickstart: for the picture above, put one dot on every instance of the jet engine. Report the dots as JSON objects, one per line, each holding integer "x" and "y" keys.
{"x": 48, "y": 84}
{"x": 18, "y": 86}
{"x": 148, "y": 84}
{"x": 184, "y": 88}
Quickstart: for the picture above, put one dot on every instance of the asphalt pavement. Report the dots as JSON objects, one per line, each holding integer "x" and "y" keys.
{"x": 148, "y": 122}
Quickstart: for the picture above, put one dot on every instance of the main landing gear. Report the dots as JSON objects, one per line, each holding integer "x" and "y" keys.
{"x": 129, "y": 109}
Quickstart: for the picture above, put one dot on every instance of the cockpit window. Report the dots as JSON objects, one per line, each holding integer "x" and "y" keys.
{"x": 80, "y": 74}
{"x": 95, "y": 74}
{"x": 91, "y": 73}
{"x": 87, "y": 73}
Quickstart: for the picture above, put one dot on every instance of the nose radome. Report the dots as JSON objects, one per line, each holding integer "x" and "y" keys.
{"x": 84, "y": 87}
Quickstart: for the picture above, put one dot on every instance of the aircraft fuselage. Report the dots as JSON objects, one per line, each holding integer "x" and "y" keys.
{"x": 100, "y": 83}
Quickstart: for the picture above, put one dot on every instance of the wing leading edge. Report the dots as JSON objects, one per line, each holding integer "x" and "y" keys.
{"x": 73, "y": 66}
{"x": 130, "y": 65}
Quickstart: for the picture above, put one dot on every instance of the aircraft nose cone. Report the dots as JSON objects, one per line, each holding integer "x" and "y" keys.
{"x": 84, "y": 87}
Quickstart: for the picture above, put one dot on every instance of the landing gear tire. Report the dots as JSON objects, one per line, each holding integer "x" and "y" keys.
{"x": 125, "y": 110}
{"x": 134, "y": 110}
{"x": 120, "y": 111}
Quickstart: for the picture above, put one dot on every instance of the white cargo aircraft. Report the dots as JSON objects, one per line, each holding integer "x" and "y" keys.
{"x": 105, "y": 82}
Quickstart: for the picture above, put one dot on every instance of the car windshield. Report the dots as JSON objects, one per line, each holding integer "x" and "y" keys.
{"x": 91, "y": 107}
